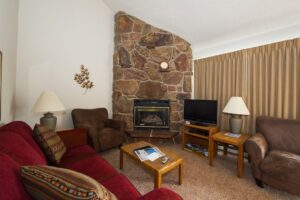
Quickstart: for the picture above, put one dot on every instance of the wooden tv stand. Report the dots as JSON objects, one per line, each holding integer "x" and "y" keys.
{"x": 198, "y": 135}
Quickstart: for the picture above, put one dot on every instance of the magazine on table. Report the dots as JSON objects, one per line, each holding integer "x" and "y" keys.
{"x": 233, "y": 135}
{"x": 148, "y": 153}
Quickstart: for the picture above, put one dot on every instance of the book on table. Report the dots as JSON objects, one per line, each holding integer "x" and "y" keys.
{"x": 148, "y": 153}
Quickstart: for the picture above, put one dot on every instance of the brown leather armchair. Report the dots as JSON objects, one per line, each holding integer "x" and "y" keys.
{"x": 104, "y": 133}
{"x": 275, "y": 153}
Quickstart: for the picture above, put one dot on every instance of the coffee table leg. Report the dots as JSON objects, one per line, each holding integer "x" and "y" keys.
{"x": 157, "y": 181}
{"x": 121, "y": 159}
{"x": 180, "y": 174}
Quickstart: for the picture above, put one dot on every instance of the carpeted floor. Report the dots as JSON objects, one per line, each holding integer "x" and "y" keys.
{"x": 200, "y": 181}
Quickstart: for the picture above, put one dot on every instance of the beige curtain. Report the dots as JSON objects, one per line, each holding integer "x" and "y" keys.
{"x": 267, "y": 77}
{"x": 274, "y": 80}
{"x": 219, "y": 78}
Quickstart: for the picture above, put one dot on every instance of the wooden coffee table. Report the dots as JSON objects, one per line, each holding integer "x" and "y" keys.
{"x": 156, "y": 166}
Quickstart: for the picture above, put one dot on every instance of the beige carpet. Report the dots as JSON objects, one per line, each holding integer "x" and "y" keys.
{"x": 200, "y": 181}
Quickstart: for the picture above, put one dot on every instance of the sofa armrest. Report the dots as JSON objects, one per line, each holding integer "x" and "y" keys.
{"x": 161, "y": 194}
{"x": 73, "y": 137}
{"x": 116, "y": 124}
{"x": 257, "y": 148}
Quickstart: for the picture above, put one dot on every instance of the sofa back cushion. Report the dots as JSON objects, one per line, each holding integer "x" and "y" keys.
{"x": 281, "y": 134}
{"x": 25, "y": 131}
{"x": 10, "y": 180}
{"x": 86, "y": 118}
{"x": 19, "y": 150}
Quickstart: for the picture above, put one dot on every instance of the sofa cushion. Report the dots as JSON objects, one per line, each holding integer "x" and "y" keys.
{"x": 79, "y": 150}
{"x": 92, "y": 165}
{"x": 50, "y": 143}
{"x": 161, "y": 193}
{"x": 121, "y": 187}
{"x": 282, "y": 165}
{"x": 25, "y": 131}
{"x": 281, "y": 134}
{"x": 19, "y": 150}
{"x": 77, "y": 154}
{"x": 45, "y": 182}
{"x": 10, "y": 180}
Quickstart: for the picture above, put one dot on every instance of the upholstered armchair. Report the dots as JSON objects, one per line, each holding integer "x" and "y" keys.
{"x": 275, "y": 153}
{"x": 104, "y": 133}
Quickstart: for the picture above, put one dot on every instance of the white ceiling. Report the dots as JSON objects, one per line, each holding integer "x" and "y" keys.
{"x": 208, "y": 23}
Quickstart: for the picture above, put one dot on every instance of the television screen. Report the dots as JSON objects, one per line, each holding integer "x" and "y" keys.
{"x": 201, "y": 111}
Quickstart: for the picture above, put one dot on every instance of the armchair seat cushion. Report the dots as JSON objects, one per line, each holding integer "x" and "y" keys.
{"x": 283, "y": 165}
{"x": 281, "y": 170}
{"x": 109, "y": 137}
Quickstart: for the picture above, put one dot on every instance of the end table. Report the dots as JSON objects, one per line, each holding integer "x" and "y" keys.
{"x": 238, "y": 142}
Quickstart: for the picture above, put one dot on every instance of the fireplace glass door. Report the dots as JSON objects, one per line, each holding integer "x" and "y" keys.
{"x": 151, "y": 117}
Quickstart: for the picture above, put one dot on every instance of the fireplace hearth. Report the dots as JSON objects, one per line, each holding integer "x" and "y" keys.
{"x": 151, "y": 114}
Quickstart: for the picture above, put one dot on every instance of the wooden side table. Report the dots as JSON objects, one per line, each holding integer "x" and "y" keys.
{"x": 238, "y": 142}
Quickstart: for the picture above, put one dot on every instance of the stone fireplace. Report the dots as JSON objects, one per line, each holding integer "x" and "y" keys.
{"x": 139, "y": 50}
{"x": 151, "y": 114}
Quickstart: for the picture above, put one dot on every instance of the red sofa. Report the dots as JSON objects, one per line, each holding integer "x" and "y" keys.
{"x": 17, "y": 148}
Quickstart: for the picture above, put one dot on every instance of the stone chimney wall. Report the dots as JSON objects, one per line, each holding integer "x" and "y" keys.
{"x": 139, "y": 50}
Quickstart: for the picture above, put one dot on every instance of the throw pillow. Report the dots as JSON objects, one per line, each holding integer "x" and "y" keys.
{"x": 50, "y": 143}
{"x": 45, "y": 182}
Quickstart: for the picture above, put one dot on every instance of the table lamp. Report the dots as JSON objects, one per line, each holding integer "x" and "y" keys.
{"x": 47, "y": 103}
{"x": 236, "y": 107}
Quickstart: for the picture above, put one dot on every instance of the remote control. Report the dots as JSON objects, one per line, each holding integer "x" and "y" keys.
{"x": 164, "y": 159}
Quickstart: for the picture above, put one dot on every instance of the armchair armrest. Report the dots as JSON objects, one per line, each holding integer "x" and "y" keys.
{"x": 257, "y": 148}
{"x": 73, "y": 137}
{"x": 116, "y": 124}
{"x": 161, "y": 194}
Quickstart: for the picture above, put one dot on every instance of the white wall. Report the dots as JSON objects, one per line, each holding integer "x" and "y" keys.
{"x": 55, "y": 37}
{"x": 223, "y": 45}
{"x": 8, "y": 47}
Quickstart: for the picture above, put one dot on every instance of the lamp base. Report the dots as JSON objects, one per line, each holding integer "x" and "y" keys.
{"x": 236, "y": 124}
{"x": 49, "y": 120}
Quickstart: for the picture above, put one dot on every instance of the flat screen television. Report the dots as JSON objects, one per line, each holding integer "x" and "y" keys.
{"x": 202, "y": 112}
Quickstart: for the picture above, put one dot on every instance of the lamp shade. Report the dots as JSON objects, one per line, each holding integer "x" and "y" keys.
{"x": 237, "y": 106}
{"x": 48, "y": 102}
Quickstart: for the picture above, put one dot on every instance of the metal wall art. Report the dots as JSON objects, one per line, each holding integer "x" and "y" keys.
{"x": 83, "y": 78}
